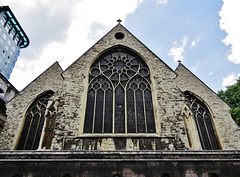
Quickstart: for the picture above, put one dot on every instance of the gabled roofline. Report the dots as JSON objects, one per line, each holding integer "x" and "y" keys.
{"x": 147, "y": 47}
{"x": 91, "y": 47}
{"x": 55, "y": 63}
{"x": 11, "y": 86}
{"x": 180, "y": 64}
{"x": 119, "y": 24}
{"x": 25, "y": 42}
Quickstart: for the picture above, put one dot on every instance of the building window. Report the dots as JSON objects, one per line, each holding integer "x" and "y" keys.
{"x": 13, "y": 48}
{"x": 8, "y": 26}
{"x": 33, "y": 125}
{"x": 119, "y": 35}
{"x": 6, "y": 47}
{"x": 4, "y": 36}
{"x": 3, "y": 19}
{"x": 204, "y": 124}
{"x": 9, "y": 42}
{"x": 3, "y": 53}
{"x": 16, "y": 39}
{"x": 13, "y": 33}
{"x": 9, "y": 60}
{"x": 2, "y": 72}
{"x": 119, "y": 98}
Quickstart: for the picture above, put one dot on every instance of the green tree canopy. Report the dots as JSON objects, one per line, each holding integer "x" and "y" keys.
{"x": 232, "y": 97}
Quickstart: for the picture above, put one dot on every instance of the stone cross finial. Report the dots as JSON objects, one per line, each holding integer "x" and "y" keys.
{"x": 119, "y": 20}
{"x": 179, "y": 61}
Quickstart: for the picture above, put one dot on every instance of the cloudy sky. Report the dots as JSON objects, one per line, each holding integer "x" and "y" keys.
{"x": 204, "y": 35}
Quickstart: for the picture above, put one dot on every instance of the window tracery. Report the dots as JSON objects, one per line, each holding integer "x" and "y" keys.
{"x": 33, "y": 124}
{"x": 204, "y": 124}
{"x": 119, "y": 98}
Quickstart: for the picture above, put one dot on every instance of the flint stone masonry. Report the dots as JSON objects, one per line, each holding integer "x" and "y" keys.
{"x": 69, "y": 103}
{"x": 51, "y": 79}
{"x": 167, "y": 107}
{"x": 227, "y": 129}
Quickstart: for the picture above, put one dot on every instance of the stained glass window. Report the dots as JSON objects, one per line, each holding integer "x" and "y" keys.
{"x": 33, "y": 125}
{"x": 119, "y": 98}
{"x": 204, "y": 124}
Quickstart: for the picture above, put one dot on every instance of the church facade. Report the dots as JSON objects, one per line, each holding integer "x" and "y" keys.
{"x": 119, "y": 110}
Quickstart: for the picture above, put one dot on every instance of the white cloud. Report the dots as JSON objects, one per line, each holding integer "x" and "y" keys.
{"x": 229, "y": 80}
{"x": 178, "y": 49}
{"x": 195, "y": 42}
{"x": 230, "y": 23}
{"x": 211, "y": 73}
{"x": 162, "y": 2}
{"x": 62, "y": 31}
{"x": 195, "y": 66}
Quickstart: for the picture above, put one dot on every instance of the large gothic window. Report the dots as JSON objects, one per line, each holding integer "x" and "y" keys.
{"x": 119, "y": 98}
{"x": 33, "y": 125}
{"x": 204, "y": 124}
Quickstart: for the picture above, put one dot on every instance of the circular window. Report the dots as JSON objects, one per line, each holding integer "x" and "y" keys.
{"x": 119, "y": 35}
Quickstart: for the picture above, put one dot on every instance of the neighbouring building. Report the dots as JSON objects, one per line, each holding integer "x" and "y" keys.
{"x": 119, "y": 111}
{"x": 12, "y": 39}
{"x": 7, "y": 92}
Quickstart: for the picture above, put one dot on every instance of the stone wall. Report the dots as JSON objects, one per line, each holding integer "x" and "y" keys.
{"x": 166, "y": 95}
{"x": 69, "y": 103}
{"x": 51, "y": 79}
{"x": 2, "y": 120}
{"x": 226, "y": 129}
{"x": 7, "y": 92}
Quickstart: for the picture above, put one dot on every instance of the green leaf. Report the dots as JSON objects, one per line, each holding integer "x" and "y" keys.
{"x": 232, "y": 97}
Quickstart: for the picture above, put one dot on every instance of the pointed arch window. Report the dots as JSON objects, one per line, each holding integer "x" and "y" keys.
{"x": 119, "y": 98}
{"x": 34, "y": 121}
{"x": 204, "y": 124}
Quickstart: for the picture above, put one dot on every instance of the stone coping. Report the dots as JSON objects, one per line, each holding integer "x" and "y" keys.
{"x": 114, "y": 156}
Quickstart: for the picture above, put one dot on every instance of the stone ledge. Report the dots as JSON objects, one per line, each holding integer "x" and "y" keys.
{"x": 118, "y": 143}
{"x": 96, "y": 156}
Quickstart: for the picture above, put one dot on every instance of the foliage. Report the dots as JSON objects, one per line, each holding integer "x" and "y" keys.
{"x": 232, "y": 97}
